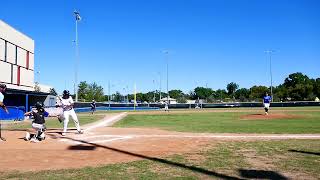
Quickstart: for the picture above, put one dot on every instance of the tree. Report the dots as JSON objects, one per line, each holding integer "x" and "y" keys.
{"x": 116, "y": 97}
{"x": 316, "y": 87}
{"x": 202, "y": 92}
{"x": 175, "y": 93}
{"x": 242, "y": 94}
{"x": 232, "y": 87}
{"x": 178, "y": 95}
{"x": 37, "y": 87}
{"x": 91, "y": 91}
{"x": 95, "y": 92}
{"x": 149, "y": 96}
{"x": 221, "y": 94}
{"x": 280, "y": 92}
{"x": 191, "y": 95}
{"x": 300, "y": 86}
{"x": 257, "y": 92}
{"x": 83, "y": 90}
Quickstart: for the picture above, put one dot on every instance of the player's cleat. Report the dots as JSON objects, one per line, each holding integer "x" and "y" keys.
{"x": 34, "y": 140}
{"x": 42, "y": 136}
{"x": 27, "y": 137}
{"x": 80, "y": 132}
{"x": 266, "y": 113}
{"x": 63, "y": 134}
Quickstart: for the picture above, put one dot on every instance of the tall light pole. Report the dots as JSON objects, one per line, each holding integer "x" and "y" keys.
{"x": 127, "y": 94}
{"x": 270, "y": 64}
{"x": 109, "y": 93}
{"x": 167, "y": 59}
{"x": 78, "y": 18}
{"x": 109, "y": 96}
{"x": 160, "y": 85}
{"x": 38, "y": 73}
{"x": 154, "y": 92}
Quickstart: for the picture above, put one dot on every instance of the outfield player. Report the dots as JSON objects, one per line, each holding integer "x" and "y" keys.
{"x": 266, "y": 103}
{"x": 93, "y": 106}
{"x": 67, "y": 106}
{"x": 166, "y": 106}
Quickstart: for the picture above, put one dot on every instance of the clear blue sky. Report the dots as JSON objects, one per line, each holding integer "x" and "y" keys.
{"x": 211, "y": 42}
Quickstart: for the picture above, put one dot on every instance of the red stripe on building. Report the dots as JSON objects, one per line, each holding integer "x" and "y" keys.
{"x": 27, "y": 65}
{"x": 18, "y": 76}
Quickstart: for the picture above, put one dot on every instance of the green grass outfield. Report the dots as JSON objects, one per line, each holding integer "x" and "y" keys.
{"x": 228, "y": 122}
{"x": 224, "y": 160}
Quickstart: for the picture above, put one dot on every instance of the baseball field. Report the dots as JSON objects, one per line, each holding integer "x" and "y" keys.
{"x": 235, "y": 143}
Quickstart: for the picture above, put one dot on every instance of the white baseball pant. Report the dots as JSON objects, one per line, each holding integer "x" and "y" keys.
{"x": 66, "y": 115}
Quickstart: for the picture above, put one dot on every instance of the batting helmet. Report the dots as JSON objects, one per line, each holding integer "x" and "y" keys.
{"x": 39, "y": 105}
{"x": 66, "y": 92}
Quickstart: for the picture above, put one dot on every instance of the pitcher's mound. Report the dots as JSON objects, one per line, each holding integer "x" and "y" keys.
{"x": 270, "y": 116}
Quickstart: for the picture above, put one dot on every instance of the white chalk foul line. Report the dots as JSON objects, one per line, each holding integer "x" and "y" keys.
{"x": 232, "y": 136}
{"x": 125, "y": 137}
{"x": 106, "y": 122}
{"x": 78, "y": 141}
{"x": 109, "y": 140}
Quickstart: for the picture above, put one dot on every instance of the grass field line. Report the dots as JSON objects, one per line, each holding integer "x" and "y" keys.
{"x": 107, "y": 121}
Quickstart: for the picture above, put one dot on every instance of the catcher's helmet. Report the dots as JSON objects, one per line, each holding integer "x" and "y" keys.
{"x": 3, "y": 86}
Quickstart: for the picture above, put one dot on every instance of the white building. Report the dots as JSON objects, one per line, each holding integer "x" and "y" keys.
{"x": 16, "y": 58}
{"x": 171, "y": 100}
{"x": 17, "y": 67}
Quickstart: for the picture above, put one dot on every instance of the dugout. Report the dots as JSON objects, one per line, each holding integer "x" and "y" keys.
{"x": 19, "y": 98}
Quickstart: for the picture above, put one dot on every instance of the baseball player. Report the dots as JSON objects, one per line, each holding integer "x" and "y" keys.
{"x": 166, "y": 106}
{"x": 266, "y": 103}
{"x": 93, "y": 106}
{"x": 67, "y": 106}
{"x": 3, "y": 89}
{"x": 38, "y": 124}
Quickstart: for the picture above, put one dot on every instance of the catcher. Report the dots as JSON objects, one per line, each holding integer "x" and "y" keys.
{"x": 38, "y": 124}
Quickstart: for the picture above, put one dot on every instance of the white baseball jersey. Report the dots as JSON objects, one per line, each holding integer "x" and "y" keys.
{"x": 66, "y": 103}
{"x": 1, "y": 97}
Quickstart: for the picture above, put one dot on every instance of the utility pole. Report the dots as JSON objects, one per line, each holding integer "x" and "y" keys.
{"x": 270, "y": 65}
{"x": 78, "y": 18}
